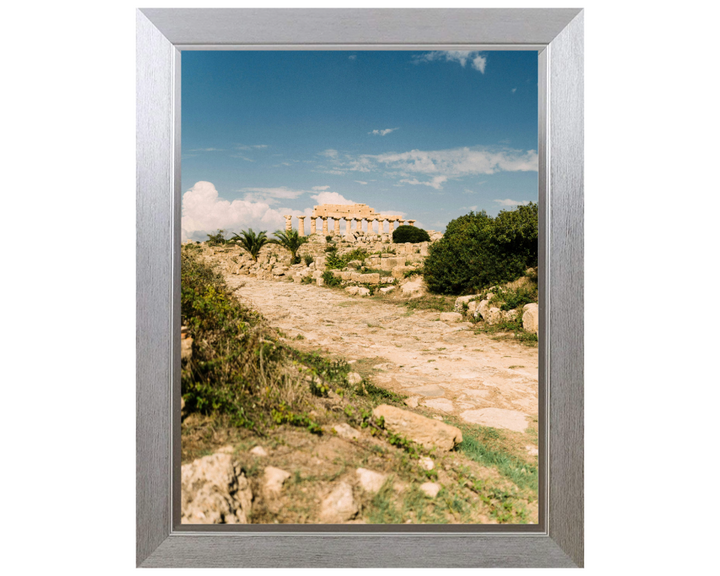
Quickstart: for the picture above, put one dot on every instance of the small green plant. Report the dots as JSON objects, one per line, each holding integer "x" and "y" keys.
{"x": 308, "y": 259}
{"x": 330, "y": 279}
{"x": 328, "y": 238}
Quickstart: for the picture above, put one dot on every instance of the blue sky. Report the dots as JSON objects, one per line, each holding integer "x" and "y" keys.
{"x": 427, "y": 135}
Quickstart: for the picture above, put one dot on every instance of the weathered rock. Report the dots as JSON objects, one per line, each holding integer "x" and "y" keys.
{"x": 215, "y": 491}
{"x": 412, "y": 288}
{"x": 258, "y": 451}
{"x": 451, "y": 317}
{"x": 346, "y": 431}
{"x": 460, "y": 300}
{"x": 362, "y": 291}
{"x": 354, "y": 378}
{"x": 426, "y": 431}
{"x": 399, "y": 271}
{"x": 426, "y": 463}
{"x": 531, "y": 318}
{"x": 352, "y": 290}
{"x": 320, "y": 281}
{"x": 354, "y": 264}
{"x": 369, "y": 480}
{"x": 273, "y": 480}
{"x": 387, "y": 289}
{"x": 430, "y": 489}
{"x": 412, "y": 402}
{"x": 497, "y": 418}
{"x": 339, "y": 506}
{"x": 369, "y": 278}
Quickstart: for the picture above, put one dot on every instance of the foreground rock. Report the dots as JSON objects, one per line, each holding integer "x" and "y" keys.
{"x": 531, "y": 318}
{"x": 215, "y": 491}
{"x": 339, "y": 506}
{"x": 370, "y": 480}
{"x": 425, "y": 431}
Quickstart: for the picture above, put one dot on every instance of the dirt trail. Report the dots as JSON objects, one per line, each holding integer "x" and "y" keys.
{"x": 446, "y": 368}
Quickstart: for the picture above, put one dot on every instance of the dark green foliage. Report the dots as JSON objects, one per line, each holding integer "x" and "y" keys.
{"x": 308, "y": 259}
{"x": 290, "y": 240}
{"x": 330, "y": 279}
{"x": 411, "y": 234}
{"x": 250, "y": 241}
{"x": 328, "y": 238}
{"x": 216, "y": 239}
{"x": 478, "y": 251}
{"x": 512, "y": 298}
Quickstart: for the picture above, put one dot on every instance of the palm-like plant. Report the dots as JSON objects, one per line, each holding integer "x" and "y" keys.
{"x": 291, "y": 240}
{"x": 251, "y": 241}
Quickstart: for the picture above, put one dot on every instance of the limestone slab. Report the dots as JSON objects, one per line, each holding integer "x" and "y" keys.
{"x": 497, "y": 418}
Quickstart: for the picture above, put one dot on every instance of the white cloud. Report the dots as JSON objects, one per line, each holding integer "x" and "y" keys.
{"x": 476, "y": 59}
{"x": 270, "y": 195}
{"x": 329, "y": 153}
{"x": 251, "y": 147}
{"x": 437, "y": 166}
{"x": 320, "y": 188}
{"x": 204, "y": 211}
{"x": 382, "y": 132}
{"x": 352, "y": 57}
{"x": 508, "y": 202}
{"x": 513, "y": 90}
{"x": 361, "y": 182}
{"x": 332, "y": 198}
{"x": 207, "y": 150}
{"x": 436, "y": 182}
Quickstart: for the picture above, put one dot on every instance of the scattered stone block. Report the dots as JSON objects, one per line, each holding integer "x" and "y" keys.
{"x": 430, "y": 489}
{"x": 215, "y": 491}
{"x": 531, "y": 318}
{"x": 339, "y": 506}
{"x": 273, "y": 480}
{"x": 258, "y": 451}
{"x": 425, "y": 431}
{"x": 387, "y": 289}
{"x": 426, "y": 463}
{"x": 369, "y": 480}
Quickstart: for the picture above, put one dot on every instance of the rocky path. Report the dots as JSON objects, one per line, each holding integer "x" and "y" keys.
{"x": 444, "y": 367}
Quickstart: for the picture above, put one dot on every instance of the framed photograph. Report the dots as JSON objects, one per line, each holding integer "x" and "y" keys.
{"x": 360, "y": 288}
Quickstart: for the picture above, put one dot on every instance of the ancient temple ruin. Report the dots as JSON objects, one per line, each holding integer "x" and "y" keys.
{"x": 351, "y": 213}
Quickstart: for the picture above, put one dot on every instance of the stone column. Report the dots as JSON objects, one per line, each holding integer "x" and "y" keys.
{"x": 325, "y": 225}
{"x": 288, "y": 223}
{"x": 381, "y": 225}
{"x": 401, "y": 221}
{"x": 301, "y": 225}
{"x": 312, "y": 225}
{"x": 411, "y": 222}
{"x": 391, "y": 223}
{"x": 371, "y": 225}
{"x": 337, "y": 226}
{"x": 358, "y": 226}
{"x": 348, "y": 224}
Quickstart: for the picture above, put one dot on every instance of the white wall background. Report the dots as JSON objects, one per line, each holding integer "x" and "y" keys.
{"x": 67, "y": 321}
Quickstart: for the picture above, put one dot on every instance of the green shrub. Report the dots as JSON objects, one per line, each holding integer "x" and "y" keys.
{"x": 478, "y": 251}
{"x": 335, "y": 262}
{"x": 216, "y": 239}
{"x": 411, "y": 234}
{"x": 308, "y": 259}
{"x": 328, "y": 238}
{"x": 330, "y": 279}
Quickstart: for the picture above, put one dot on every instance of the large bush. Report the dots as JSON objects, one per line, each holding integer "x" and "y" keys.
{"x": 411, "y": 234}
{"x": 478, "y": 251}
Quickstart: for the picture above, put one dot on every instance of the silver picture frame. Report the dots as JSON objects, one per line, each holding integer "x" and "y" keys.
{"x": 557, "y": 540}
